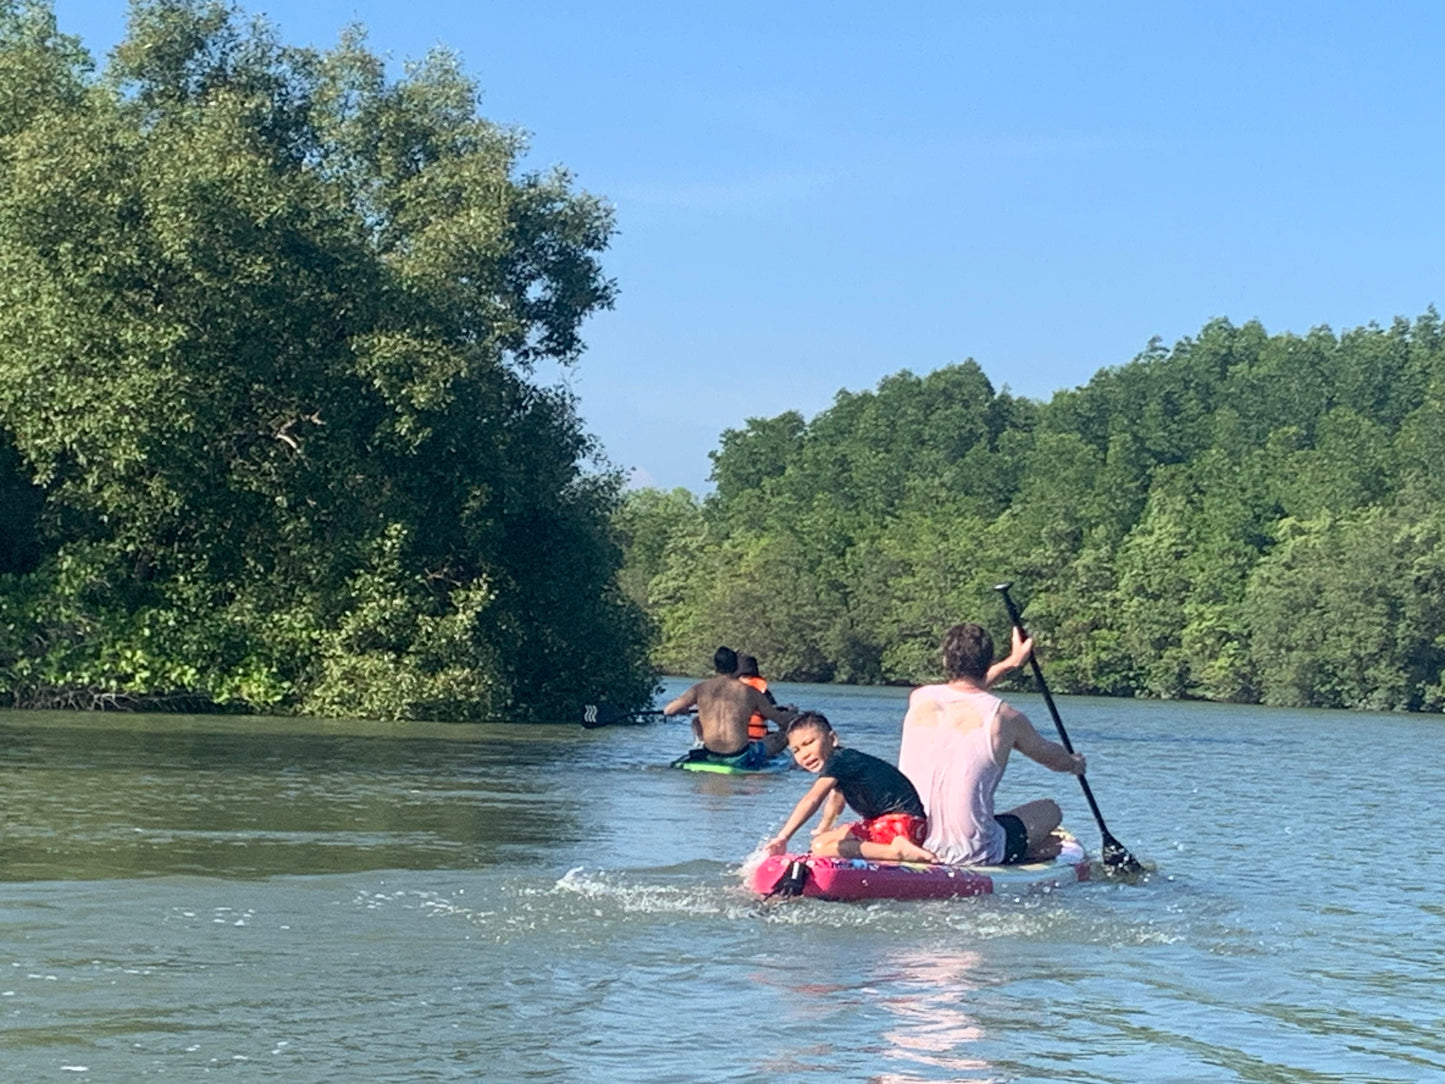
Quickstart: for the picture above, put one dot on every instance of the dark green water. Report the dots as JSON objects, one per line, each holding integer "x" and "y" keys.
{"x": 302, "y": 901}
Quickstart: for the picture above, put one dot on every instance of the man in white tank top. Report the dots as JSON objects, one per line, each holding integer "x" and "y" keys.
{"x": 956, "y": 743}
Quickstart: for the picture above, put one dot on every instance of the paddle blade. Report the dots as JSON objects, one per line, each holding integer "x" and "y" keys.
{"x": 595, "y": 715}
{"x": 1117, "y": 858}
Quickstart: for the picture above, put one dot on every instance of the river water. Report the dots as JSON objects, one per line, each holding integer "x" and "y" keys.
{"x": 258, "y": 899}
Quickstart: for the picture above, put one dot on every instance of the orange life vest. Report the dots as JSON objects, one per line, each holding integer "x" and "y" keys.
{"x": 757, "y": 725}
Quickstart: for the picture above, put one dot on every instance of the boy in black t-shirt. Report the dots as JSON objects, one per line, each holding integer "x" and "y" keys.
{"x": 893, "y": 825}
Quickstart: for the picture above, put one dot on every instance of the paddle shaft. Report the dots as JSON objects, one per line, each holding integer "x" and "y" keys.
{"x": 1115, "y": 852}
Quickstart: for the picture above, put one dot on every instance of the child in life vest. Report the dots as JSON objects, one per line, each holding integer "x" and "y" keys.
{"x": 748, "y": 675}
{"x": 893, "y": 826}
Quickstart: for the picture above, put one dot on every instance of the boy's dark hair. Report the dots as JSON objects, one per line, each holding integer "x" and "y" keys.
{"x": 748, "y": 666}
{"x": 967, "y": 652}
{"x": 815, "y": 719}
{"x": 725, "y": 660}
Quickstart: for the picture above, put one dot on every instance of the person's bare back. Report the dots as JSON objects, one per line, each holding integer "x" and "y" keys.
{"x": 724, "y": 706}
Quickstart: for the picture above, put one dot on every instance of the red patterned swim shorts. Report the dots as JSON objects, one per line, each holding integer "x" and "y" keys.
{"x": 890, "y": 826}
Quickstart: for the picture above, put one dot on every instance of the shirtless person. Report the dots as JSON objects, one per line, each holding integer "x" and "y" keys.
{"x": 724, "y": 706}
{"x": 957, "y": 738}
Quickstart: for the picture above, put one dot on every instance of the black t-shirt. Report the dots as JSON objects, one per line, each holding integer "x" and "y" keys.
{"x": 870, "y": 786}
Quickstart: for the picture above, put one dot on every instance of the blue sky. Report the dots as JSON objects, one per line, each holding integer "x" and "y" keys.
{"x": 811, "y": 196}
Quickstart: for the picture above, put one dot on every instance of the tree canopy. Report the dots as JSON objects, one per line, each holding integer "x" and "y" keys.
{"x": 1245, "y": 516}
{"x": 270, "y": 433}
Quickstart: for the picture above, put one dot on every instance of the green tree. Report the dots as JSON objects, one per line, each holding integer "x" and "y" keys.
{"x": 270, "y": 327}
{"x": 747, "y": 458}
{"x": 647, "y": 521}
{"x": 1188, "y": 524}
{"x": 1350, "y": 612}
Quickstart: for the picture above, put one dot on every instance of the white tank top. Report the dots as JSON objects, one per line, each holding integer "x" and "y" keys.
{"x": 951, "y": 753}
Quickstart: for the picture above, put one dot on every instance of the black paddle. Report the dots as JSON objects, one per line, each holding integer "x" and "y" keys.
{"x": 594, "y": 715}
{"x": 1116, "y": 855}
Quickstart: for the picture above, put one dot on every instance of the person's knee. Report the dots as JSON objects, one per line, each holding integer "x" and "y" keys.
{"x": 1051, "y": 815}
{"x": 1041, "y": 817}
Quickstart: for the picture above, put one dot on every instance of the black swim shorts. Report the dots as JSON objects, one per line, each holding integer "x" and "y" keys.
{"x": 1015, "y": 836}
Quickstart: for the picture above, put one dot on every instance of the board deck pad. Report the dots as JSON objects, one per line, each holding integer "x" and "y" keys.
{"x": 783, "y": 762}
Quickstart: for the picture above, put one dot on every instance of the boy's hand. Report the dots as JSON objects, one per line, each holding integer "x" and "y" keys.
{"x": 776, "y": 845}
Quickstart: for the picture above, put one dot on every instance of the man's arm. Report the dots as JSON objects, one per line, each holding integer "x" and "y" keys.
{"x": 682, "y": 704}
{"x": 1035, "y": 746}
{"x": 806, "y": 807}
{"x": 769, "y": 710}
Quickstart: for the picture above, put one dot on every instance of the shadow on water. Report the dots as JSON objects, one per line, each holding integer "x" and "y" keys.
{"x": 141, "y": 796}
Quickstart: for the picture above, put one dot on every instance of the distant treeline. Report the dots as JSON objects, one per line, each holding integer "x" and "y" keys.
{"x": 1246, "y": 517}
{"x": 269, "y": 433}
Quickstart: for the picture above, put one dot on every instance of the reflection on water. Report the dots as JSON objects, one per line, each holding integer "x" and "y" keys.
{"x": 933, "y": 1029}
{"x": 104, "y": 797}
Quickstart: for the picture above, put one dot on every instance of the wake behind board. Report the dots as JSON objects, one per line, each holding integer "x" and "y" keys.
{"x": 780, "y": 763}
{"x": 858, "y": 879}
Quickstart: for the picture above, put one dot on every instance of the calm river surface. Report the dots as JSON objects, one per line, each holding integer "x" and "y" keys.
{"x": 304, "y": 901}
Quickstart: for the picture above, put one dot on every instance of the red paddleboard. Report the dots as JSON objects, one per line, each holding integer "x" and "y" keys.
{"x": 859, "y": 879}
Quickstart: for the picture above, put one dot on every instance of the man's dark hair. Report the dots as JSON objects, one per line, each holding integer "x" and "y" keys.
{"x": 725, "y": 660}
{"x": 748, "y": 666}
{"x": 967, "y": 652}
{"x": 815, "y": 719}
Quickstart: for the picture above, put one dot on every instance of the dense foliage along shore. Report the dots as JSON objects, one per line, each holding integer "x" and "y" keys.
{"x": 270, "y": 436}
{"x": 1244, "y": 517}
